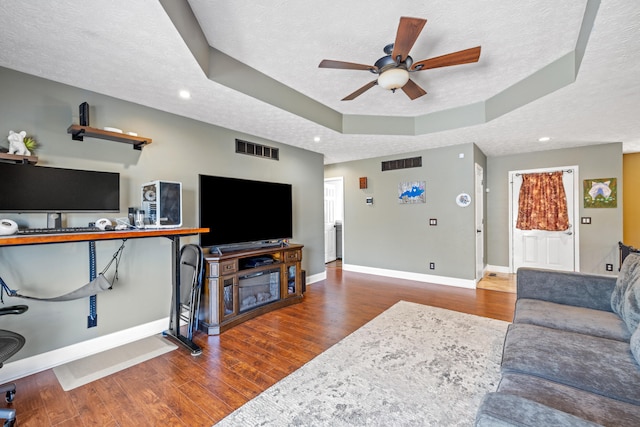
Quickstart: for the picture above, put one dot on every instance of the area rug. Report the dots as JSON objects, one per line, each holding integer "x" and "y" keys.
{"x": 83, "y": 371}
{"x": 413, "y": 365}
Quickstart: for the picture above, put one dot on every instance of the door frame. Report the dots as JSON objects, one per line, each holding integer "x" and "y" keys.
{"x": 339, "y": 183}
{"x": 479, "y": 221}
{"x": 575, "y": 221}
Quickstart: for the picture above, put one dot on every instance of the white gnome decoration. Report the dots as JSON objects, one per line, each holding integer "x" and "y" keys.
{"x": 16, "y": 143}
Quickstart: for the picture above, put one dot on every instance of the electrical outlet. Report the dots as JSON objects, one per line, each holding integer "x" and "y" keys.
{"x": 609, "y": 267}
{"x": 433, "y": 221}
{"x": 432, "y": 266}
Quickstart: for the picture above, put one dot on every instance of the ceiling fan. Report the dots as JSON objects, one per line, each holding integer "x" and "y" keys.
{"x": 394, "y": 68}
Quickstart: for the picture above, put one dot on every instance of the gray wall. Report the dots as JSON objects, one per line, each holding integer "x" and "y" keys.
{"x": 393, "y": 236}
{"x": 181, "y": 149}
{"x": 397, "y": 237}
{"x": 599, "y": 240}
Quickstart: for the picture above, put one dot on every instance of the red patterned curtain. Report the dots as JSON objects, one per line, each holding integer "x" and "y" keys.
{"x": 543, "y": 203}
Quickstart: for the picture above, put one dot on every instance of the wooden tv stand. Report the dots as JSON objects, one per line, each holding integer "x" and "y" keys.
{"x": 243, "y": 284}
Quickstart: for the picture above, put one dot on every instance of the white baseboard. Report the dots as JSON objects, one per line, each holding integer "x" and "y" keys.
{"x": 316, "y": 277}
{"x": 419, "y": 277}
{"x": 41, "y": 362}
{"x": 498, "y": 269}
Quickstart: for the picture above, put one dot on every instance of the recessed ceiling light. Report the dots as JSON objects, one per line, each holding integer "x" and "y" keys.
{"x": 544, "y": 139}
{"x": 316, "y": 139}
{"x": 184, "y": 94}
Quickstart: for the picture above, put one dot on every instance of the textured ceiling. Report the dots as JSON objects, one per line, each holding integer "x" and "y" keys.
{"x": 132, "y": 50}
{"x": 284, "y": 44}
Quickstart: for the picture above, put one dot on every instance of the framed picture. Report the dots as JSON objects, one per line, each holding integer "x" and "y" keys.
{"x": 600, "y": 193}
{"x": 412, "y": 192}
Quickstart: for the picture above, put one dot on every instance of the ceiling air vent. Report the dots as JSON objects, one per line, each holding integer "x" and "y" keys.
{"x": 413, "y": 162}
{"x": 253, "y": 149}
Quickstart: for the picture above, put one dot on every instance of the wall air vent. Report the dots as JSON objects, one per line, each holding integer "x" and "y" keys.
{"x": 413, "y": 162}
{"x": 253, "y": 149}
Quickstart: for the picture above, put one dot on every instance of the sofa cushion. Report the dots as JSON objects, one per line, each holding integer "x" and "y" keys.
{"x": 502, "y": 410}
{"x": 593, "y": 364}
{"x": 582, "y": 404}
{"x": 598, "y": 323}
{"x": 635, "y": 345}
{"x": 625, "y": 299}
{"x": 566, "y": 287}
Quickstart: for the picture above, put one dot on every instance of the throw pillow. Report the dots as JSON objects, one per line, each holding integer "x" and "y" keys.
{"x": 625, "y": 300}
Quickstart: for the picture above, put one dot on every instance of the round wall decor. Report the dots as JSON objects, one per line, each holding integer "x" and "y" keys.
{"x": 463, "y": 200}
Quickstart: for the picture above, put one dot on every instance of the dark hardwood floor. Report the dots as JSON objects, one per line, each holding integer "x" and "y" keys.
{"x": 177, "y": 389}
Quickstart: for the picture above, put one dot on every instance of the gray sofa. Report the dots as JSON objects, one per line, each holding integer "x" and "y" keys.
{"x": 571, "y": 356}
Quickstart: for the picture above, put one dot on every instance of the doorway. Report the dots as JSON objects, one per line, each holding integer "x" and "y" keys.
{"x": 554, "y": 250}
{"x": 333, "y": 219}
{"x": 479, "y": 219}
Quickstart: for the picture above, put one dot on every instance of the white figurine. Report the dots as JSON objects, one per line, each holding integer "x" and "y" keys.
{"x": 16, "y": 143}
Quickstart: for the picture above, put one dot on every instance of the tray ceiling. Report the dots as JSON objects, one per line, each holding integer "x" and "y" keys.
{"x": 566, "y": 72}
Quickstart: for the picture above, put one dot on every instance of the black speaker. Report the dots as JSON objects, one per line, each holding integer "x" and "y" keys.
{"x": 84, "y": 114}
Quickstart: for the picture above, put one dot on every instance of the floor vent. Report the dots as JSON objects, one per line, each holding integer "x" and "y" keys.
{"x": 413, "y": 162}
{"x": 253, "y": 149}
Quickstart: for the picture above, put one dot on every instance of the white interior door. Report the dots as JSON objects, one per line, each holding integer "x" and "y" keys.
{"x": 554, "y": 250}
{"x": 479, "y": 203}
{"x": 329, "y": 223}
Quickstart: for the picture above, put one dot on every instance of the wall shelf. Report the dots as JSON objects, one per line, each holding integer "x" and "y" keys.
{"x": 14, "y": 158}
{"x": 78, "y": 133}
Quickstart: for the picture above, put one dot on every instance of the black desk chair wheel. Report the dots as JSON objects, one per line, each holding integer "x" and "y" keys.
{"x": 10, "y": 344}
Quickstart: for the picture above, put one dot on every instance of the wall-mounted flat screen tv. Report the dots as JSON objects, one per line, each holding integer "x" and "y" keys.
{"x": 29, "y": 188}
{"x": 244, "y": 211}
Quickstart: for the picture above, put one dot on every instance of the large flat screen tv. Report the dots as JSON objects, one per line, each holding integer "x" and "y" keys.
{"x": 29, "y": 188}
{"x": 239, "y": 211}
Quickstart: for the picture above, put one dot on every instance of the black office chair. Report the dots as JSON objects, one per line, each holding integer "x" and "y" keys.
{"x": 10, "y": 344}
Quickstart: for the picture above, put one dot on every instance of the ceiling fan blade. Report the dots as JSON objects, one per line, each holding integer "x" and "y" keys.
{"x": 456, "y": 58}
{"x": 408, "y": 31}
{"x": 360, "y": 91}
{"x": 328, "y": 63}
{"x": 412, "y": 90}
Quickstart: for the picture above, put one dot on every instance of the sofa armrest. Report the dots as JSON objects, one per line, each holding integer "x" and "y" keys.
{"x": 569, "y": 288}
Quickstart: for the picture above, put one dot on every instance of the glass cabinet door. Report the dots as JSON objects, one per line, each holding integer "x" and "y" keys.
{"x": 292, "y": 279}
{"x": 228, "y": 298}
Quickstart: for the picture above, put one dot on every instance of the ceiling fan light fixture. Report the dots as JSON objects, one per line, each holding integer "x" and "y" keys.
{"x": 393, "y": 78}
{"x": 393, "y": 69}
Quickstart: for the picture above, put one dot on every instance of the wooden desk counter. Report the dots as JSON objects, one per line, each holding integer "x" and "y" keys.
{"x": 40, "y": 239}
{"x": 172, "y": 234}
